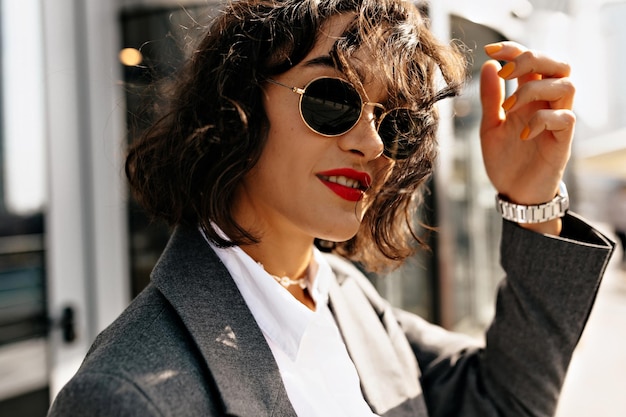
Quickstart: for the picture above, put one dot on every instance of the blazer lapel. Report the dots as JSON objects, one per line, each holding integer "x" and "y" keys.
{"x": 199, "y": 287}
{"x": 381, "y": 354}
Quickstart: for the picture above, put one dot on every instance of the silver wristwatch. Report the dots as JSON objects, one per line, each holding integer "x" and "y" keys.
{"x": 539, "y": 213}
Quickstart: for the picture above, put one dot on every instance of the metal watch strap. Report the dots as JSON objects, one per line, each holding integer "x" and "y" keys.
{"x": 539, "y": 213}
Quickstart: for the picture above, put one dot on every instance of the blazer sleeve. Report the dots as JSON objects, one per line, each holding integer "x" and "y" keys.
{"x": 542, "y": 307}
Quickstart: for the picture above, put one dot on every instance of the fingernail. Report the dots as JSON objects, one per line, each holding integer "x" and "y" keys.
{"x": 525, "y": 133}
{"x": 493, "y": 48}
{"x": 509, "y": 103}
{"x": 507, "y": 70}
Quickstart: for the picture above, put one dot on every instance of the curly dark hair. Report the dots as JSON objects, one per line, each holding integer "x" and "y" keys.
{"x": 186, "y": 167}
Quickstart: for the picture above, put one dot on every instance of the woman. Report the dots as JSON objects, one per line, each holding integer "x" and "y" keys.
{"x": 303, "y": 120}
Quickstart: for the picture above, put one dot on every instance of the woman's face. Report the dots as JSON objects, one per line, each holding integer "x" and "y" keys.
{"x": 303, "y": 184}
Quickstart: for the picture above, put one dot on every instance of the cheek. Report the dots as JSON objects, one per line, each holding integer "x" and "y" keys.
{"x": 281, "y": 148}
{"x": 285, "y": 159}
{"x": 282, "y": 135}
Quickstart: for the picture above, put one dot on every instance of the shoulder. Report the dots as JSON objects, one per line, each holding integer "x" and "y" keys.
{"x": 133, "y": 333}
{"x": 144, "y": 363}
{"x": 101, "y": 394}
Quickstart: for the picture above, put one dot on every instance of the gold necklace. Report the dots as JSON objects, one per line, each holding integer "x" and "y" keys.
{"x": 287, "y": 282}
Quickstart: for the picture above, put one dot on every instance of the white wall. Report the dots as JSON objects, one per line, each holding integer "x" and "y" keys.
{"x": 86, "y": 218}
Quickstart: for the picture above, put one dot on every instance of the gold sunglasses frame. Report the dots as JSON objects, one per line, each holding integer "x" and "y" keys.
{"x": 302, "y": 92}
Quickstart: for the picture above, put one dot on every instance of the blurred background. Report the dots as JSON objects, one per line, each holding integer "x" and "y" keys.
{"x": 76, "y": 85}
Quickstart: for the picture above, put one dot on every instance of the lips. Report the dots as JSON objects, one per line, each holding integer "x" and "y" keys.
{"x": 347, "y": 183}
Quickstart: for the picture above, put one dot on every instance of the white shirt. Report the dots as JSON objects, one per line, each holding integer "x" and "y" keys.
{"x": 318, "y": 374}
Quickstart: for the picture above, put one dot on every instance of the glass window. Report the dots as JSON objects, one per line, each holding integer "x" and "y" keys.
{"x": 23, "y": 322}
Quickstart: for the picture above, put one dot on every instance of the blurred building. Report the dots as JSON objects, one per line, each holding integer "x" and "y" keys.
{"x": 76, "y": 83}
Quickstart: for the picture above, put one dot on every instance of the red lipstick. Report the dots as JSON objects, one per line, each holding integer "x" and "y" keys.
{"x": 347, "y": 183}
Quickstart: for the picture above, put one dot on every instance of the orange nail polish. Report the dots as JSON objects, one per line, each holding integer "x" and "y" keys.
{"x": 509, "y": 103}
{"x": 493, "y": 48}
{"x": 507, "y": 70}
{"x": 525, "y": 133}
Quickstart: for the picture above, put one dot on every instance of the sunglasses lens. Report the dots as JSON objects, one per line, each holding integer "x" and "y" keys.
{"x": 330, "y": 106}
{"x": 399, "y": 132}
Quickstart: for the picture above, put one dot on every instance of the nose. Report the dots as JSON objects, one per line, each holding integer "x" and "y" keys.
{"x": 363, "y": 139}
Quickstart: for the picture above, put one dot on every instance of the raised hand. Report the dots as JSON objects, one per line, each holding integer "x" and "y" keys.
{"x": 526, "y": 139}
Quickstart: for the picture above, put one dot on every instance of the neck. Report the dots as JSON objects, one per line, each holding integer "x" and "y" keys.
{"x": 282, "y": 258}
{"x": 285, "y": 261}
{"x": 283, "y": 250}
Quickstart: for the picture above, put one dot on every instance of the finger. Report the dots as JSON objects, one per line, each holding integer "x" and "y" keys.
{"x": 559, "y": 93}
{"x": 534, "y": 63}
{"x": 558, "y": 122}
{"x": 505, "y": 51}
{"x": 525, "y": 61}
{"x": 491, "y": 95}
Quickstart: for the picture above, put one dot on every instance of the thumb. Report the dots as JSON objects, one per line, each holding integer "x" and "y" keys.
{"x": 491, "y": 95}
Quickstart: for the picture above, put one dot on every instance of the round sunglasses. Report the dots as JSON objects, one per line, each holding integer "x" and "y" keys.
{"x": 332, "y": 106}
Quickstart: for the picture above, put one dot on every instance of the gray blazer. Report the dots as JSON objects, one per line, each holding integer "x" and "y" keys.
{"x": 189, "y": 346}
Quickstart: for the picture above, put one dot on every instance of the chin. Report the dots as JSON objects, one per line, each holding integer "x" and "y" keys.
{"x": 339, "y": 227}
{"x": 338, "y": 235}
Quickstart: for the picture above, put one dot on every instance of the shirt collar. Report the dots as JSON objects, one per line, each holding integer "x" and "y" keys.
{"x": 281, "y": 317}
